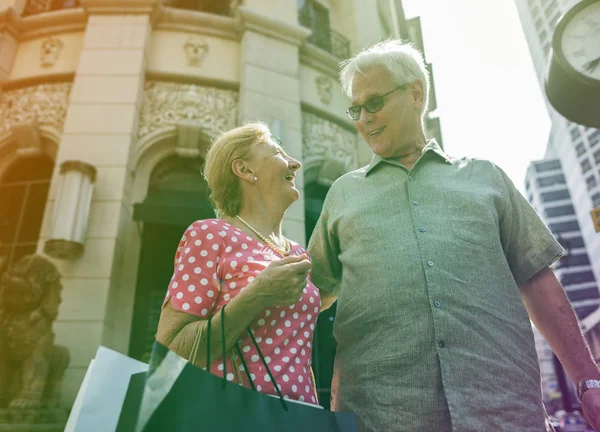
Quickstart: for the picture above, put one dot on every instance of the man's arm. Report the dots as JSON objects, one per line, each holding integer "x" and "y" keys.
{"x": 550, "y": 311}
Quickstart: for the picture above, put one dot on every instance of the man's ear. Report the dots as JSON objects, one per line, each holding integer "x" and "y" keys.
{"x": 241, "y": 169}
{"x": 418, "y": 92}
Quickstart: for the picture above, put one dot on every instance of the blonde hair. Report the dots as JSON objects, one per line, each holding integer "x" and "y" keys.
{"x": 225, "y": 189}
{"x": 401, "y": 59}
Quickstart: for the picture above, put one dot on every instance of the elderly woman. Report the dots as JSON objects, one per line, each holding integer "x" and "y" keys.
{"x": 243, "y": 261}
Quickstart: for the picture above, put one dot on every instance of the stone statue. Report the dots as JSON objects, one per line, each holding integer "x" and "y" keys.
{"x": 31, "y": 366}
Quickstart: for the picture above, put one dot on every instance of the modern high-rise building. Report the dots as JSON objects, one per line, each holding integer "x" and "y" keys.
{"x": 547, "y": 191}
{"x": 576, "y": 147}
{"x": 127, "y": 95}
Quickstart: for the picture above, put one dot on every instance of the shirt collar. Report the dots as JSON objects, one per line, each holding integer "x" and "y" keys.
{"x": 432, "y": 146}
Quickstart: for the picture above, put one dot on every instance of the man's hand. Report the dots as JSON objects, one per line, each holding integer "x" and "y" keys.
{"x": 590, "y": 404}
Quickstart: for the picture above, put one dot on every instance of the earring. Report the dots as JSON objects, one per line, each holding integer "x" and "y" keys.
{"x": 255, "y": 178}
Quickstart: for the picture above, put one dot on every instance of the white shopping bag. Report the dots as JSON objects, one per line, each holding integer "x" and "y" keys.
{"x": 102, "y": 392}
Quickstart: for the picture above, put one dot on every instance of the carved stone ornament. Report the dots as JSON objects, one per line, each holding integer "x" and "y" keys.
{"x": 170, "y": 104}
{"x": 31, "y": 365}
{"x": 195, "y": 50}
{"x": 323, "y": 142}
{"x": 51, "y": 49}
{"x": 324, "y": 87}
{"x": 45, "y": 103}
{"x": 37, "y": 6}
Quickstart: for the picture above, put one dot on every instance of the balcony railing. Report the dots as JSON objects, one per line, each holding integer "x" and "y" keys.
{"x": 35, "y": 7}
{"x": 323, "y": 36}
{"x": 218, "y": 7}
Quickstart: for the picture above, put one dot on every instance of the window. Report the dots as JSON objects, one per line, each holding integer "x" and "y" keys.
{"x": 583, "y": 294}
{"x": 547, "y": 166}
{"x": 591, "y": 182}
{"x": 560, "y": 211}
{"x": 23, "y": 194}
{"x": 555, "y": 195}
{"x": 575, "y": 133}
{"x": 550, "y": 9}
{"x": 543, "y": 36}
{"x": 586, "y": 165}
{"x": 596, "y": 199}
{"x": 551, "y": 180}
{"x": 561, "y": 227}
{"x": 538, "y": 24}
{"x": 580, "y": 149}
{"x": 535, "y": 11}
{"x": 594, "y": 138}
{"x": 577, "y": 260}
{"x": 570, "y": 243}
{"x": 597, "y": 156}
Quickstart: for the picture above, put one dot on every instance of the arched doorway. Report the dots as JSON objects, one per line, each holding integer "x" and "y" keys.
{"x": 23, "y": 194}
{"x": 177, "y": 196}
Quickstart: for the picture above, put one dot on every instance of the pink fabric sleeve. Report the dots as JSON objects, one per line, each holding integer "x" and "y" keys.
{"x": 194, "y": 287}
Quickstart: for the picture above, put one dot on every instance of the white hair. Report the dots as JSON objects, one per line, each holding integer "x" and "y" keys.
{"x": 404, "y": 62}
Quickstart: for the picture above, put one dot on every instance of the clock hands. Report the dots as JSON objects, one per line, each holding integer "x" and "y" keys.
{"x": 592, "y": 65}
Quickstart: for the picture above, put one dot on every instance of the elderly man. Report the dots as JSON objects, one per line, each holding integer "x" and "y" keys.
{"x": 438, "y": 264}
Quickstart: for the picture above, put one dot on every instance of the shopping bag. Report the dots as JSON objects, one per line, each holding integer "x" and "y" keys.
{"x": 100, "y": 398}
{"x": 179, "y": 396}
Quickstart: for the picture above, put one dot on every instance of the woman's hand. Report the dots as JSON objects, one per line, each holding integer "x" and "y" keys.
{"x": 282, "y": 282}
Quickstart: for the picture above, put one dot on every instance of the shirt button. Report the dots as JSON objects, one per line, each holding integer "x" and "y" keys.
{"x": 442, "y": 344}
{"x": 410, "y": 178}
{"x": 422, "y": 229}
{"x": 437, "y": 304}
{"x": 416, "y": 203}
{"x": 430, "y": 263}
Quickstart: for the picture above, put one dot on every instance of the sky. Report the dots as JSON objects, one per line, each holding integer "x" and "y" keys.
{"x": 490, "y": 103}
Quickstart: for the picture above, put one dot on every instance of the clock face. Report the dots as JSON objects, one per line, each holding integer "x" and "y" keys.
{"x": 580, "y": 41}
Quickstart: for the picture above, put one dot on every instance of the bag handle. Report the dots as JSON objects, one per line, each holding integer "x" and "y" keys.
{"x": 224, "y": 353}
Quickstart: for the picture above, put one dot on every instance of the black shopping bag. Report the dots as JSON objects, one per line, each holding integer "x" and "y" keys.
{"x": 178, "y": 396}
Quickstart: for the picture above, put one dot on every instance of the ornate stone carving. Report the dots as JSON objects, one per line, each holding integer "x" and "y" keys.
{"x": 45, "y": 103}
{"x": 51, "y": 49}
{"x": 37, "y": 6}
{"x": 31, "y": 365}
{"x": 324, "y": 143}
{"x": 195, "y": 49}
{"x": 169, "y": 104}
{"x": 324, "y": 87}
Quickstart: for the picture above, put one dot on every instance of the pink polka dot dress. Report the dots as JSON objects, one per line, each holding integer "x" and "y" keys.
{"x": 214, "y": 262}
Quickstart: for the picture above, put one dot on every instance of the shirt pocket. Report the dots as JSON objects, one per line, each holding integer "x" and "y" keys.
{"x": 471, "y": 218}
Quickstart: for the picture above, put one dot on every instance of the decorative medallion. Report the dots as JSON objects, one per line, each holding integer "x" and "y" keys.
{"x": 324, "y": 87}
{"x": 195, "y": 49}
{"x": 51, "y": 49}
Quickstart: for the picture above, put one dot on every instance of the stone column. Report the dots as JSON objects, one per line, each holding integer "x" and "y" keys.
{"x": 100, "y": 129}
{"x": 270, "y": 83}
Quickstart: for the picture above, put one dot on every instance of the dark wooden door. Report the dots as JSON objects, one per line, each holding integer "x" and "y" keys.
{"x": 159, "y": 244}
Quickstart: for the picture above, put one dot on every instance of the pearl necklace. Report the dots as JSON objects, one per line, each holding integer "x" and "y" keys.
{"x": 272, "y": 245}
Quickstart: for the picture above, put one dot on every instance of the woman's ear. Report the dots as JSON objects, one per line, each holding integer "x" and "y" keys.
{"x": 241, "y": 169}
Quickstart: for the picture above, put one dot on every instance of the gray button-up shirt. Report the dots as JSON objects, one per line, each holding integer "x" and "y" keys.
{"x": 432, "y": 333}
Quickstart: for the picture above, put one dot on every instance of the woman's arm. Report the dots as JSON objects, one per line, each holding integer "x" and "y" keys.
{"x": 281, "y": 283}
{"x": 178, "y": 330}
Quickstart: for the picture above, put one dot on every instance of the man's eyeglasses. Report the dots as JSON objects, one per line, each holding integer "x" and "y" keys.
{"x": 372, "y": 105}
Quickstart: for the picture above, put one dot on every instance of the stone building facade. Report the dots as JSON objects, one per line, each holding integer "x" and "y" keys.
{"x": 132, "y": 92}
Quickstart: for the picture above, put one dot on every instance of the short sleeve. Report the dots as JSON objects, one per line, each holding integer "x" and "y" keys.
{"x": 528, "y": 244}
{"x": 324, "y": 250}
{"x": 194, "y": 287}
